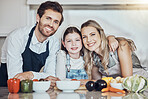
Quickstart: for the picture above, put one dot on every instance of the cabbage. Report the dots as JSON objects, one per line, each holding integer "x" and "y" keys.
{"x": 145, "y": 86}
{"x": 135, "y": 83}
{"x": 141, "y": 85}
{"x": 128, "y": 83}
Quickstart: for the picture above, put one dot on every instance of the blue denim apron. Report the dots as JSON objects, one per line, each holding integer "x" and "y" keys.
{"x": 31, "y": 61}
{"x": 74, "y": 73}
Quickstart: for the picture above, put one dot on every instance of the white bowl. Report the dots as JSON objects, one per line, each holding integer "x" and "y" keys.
{"x": 68, "y": 86}
{"x": 41, "y": 86}
{"x": 117, "y": 85}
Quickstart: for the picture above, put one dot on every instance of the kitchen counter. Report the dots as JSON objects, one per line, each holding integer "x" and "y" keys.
{"x": 78, "y": 94}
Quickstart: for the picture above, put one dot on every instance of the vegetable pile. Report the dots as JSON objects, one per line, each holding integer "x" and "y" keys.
{"x": 26, "y": 86}
{"x": 135, "y": 83}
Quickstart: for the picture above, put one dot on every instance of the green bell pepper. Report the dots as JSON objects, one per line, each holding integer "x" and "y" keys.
{"x": 26, "y": 85}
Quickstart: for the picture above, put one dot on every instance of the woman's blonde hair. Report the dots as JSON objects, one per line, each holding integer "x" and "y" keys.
{"x": 88, "y": 55}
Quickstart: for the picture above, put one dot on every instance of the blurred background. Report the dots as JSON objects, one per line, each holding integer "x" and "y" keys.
{"x": 126, "y": 18}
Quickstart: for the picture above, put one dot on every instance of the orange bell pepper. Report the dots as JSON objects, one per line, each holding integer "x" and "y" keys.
{"x": 13, "y": 85}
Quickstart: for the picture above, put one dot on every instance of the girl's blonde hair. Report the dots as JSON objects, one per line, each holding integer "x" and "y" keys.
{"x": 88, "y": 55}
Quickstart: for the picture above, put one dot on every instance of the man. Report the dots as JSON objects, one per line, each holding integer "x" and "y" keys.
{"x": 28, "y": 49}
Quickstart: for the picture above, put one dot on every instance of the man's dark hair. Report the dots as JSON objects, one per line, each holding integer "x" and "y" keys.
{"x": 55, "y": 6}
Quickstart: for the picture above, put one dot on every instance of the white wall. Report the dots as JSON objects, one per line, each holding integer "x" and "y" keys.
{"x": 12, "y": 15}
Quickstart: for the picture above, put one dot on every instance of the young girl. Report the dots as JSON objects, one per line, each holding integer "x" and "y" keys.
{"x": 101, "y": 62}
{"x": 70, "y": 62}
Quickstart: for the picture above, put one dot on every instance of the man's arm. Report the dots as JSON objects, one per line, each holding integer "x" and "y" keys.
{"x": 13, "y": 53}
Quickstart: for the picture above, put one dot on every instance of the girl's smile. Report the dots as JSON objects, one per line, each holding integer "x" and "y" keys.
{"x": 74, "y": 48}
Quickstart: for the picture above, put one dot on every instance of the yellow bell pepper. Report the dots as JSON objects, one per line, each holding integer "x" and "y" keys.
{"x": 107, "y": 79}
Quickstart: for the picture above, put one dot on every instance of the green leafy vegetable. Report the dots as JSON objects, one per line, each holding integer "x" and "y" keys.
{"x": 135, "y": 83}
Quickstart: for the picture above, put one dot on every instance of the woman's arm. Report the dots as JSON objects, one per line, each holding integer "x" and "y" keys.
{"x": 125, "y": 59}
{"x": 112, "y": 42}
{"x": 95, "y": 73}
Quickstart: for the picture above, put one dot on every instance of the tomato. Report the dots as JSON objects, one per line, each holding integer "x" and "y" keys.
{"x": 73, "y": 79}
{"x": 35, "y": 80}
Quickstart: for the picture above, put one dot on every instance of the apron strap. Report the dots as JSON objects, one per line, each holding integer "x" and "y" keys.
{"x": 68, "y": 66}
{"x": 30, "y": 36}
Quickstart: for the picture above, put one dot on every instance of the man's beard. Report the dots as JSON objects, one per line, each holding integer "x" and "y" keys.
{"x": 40, "y": 28}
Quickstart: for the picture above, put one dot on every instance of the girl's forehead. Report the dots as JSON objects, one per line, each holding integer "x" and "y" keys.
{"x": 73, "y": 34}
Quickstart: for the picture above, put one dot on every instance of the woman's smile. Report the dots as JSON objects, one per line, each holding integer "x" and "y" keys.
{"x": 91, "y": 44}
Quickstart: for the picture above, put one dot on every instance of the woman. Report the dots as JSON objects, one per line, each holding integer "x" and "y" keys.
{"x": 123, "y": 62}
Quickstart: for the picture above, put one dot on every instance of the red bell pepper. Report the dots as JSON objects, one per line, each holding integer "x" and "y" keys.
{"x": 13, "y": 85}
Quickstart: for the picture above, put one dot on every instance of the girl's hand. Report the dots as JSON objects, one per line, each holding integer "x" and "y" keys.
{"x": 113, "y": 43}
